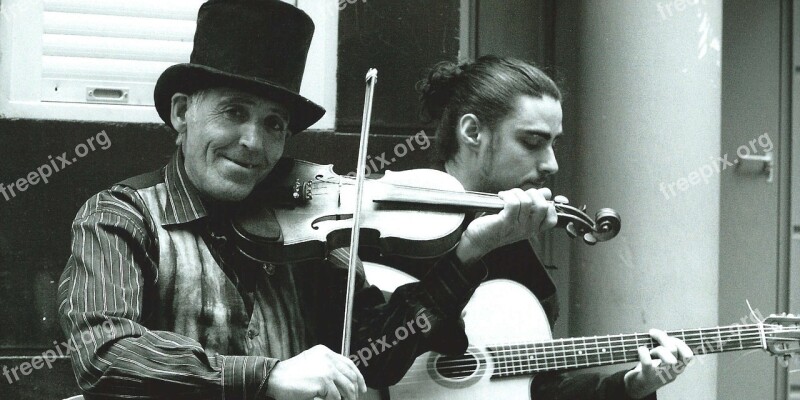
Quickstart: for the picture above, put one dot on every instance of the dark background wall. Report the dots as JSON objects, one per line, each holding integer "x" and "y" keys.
{"x": 35, "y": 230}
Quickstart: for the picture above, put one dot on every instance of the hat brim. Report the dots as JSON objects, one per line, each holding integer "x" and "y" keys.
{"x": 188, "y": 78}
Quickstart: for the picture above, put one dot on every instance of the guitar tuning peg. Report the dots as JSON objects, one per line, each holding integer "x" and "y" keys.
{"x": 583, "y": 208}
{"x": 786, "y": 360}
{"x": 589, "y": 239}
{"x": 559, "y": 199}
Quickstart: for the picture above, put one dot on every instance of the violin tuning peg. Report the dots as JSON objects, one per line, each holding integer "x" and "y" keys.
{"x": 559, "y": 199}
{"x": 571, "y": 231}
{"x": 589, "y": 239}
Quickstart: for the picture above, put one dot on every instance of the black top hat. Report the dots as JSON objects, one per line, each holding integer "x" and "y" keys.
{"x": 258, "y": 46}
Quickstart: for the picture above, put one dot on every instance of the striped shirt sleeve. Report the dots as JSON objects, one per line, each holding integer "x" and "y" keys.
{"x": 102, "y": 294}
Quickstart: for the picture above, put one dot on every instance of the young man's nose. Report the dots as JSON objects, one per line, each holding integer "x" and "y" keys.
{"x": 548, "y": 165}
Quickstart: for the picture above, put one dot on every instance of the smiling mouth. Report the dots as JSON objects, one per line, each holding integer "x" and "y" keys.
{"x": 243, "y": 164}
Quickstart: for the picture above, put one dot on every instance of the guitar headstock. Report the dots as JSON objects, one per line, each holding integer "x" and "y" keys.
{"x": 782, "y": 335}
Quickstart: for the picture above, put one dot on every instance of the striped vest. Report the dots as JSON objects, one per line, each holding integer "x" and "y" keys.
{"x": 197, "y": 299}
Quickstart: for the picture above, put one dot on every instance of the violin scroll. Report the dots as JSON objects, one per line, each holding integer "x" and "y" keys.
{"x": 605, "y": 226}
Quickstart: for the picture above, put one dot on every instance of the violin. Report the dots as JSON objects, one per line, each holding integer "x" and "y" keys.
{"x": 306, "y": 209}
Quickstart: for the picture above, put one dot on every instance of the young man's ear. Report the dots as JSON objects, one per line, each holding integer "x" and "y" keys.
{"x": 180, "y": 105}
{"x": 469, "y": 132}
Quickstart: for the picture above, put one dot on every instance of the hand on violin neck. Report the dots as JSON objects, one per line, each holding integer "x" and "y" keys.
{"x": 526, "y": 213}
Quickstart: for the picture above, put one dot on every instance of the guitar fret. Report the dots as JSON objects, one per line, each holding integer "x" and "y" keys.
{"x": 597, "y": 350}
{"x": 586, "y": 352}
{"x": 702, "y": 343}
{"x": 683, "y": 335}
{"x": 564, "y": 352}
{"x": 575, "y": 352}
{"x": 558, "y": 353}
{"x": 622, "y": 345}
{"x": 513, "y": 360}
{"x": 610, "y": 348}
{"x": 510, "y": 362}
{"x": 501, "y": 361}
{"x": 739, "y": 331}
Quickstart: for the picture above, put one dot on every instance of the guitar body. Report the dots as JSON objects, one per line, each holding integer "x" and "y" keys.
{"x": 500, "y": 311}
{"x": 507, "y": 316}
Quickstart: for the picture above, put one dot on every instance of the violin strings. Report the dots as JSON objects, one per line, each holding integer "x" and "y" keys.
{"x": 412, "y": 188}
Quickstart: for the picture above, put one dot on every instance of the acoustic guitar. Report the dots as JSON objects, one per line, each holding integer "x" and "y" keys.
{"x": 509, "y": 346}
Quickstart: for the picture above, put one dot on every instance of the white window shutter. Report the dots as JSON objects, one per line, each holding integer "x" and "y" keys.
{"x": 112, "y": 51}
{"x": 100, "y": 59}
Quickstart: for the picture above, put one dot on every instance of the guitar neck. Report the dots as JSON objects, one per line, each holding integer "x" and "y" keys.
{"x": 574, "y": 353}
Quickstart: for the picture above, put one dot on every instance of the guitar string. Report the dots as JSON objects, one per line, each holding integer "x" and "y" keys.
{"x": 542, "y": 354}
{"x": 626, "y": 339}
{"x": 562, "y": 347}
{"x": 555, "y": 354}
{"x": 511, "y": 370}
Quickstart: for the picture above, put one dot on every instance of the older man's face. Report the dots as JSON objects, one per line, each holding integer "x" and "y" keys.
{"x": 232, "y": 141}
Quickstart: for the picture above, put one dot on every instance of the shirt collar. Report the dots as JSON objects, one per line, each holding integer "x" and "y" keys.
{"x": 183, "y": 199}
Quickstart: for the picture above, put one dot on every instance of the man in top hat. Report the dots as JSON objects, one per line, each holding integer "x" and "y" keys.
{"x": 165, "y": 307}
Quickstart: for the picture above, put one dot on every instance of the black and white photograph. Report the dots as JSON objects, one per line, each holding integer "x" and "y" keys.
{"x": 400, "y": 199}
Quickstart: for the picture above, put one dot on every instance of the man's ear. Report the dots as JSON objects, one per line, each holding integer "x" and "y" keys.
{"x": 469, "y": 132}
{"x": 180, "y": 106}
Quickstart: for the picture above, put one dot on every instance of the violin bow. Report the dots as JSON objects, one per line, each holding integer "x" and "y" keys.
{"x": 371, "y": 79}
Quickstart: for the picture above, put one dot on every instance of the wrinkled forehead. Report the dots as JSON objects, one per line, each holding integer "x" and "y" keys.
{"x": 221, "y": 96}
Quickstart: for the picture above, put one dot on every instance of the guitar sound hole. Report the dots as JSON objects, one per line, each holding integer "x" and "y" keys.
{"x": 458, "y": 367}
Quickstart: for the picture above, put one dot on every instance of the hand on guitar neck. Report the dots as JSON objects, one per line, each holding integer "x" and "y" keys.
{"x": 672, "y": 355}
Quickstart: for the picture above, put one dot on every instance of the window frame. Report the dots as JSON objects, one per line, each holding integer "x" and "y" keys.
{"x": 22, "y": 82}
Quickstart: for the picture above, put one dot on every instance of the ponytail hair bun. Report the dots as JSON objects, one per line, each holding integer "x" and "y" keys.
{"x": 438, "y": 88}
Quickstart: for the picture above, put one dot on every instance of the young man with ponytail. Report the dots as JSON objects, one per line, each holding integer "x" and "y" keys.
{"x": 497, "y": 122}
